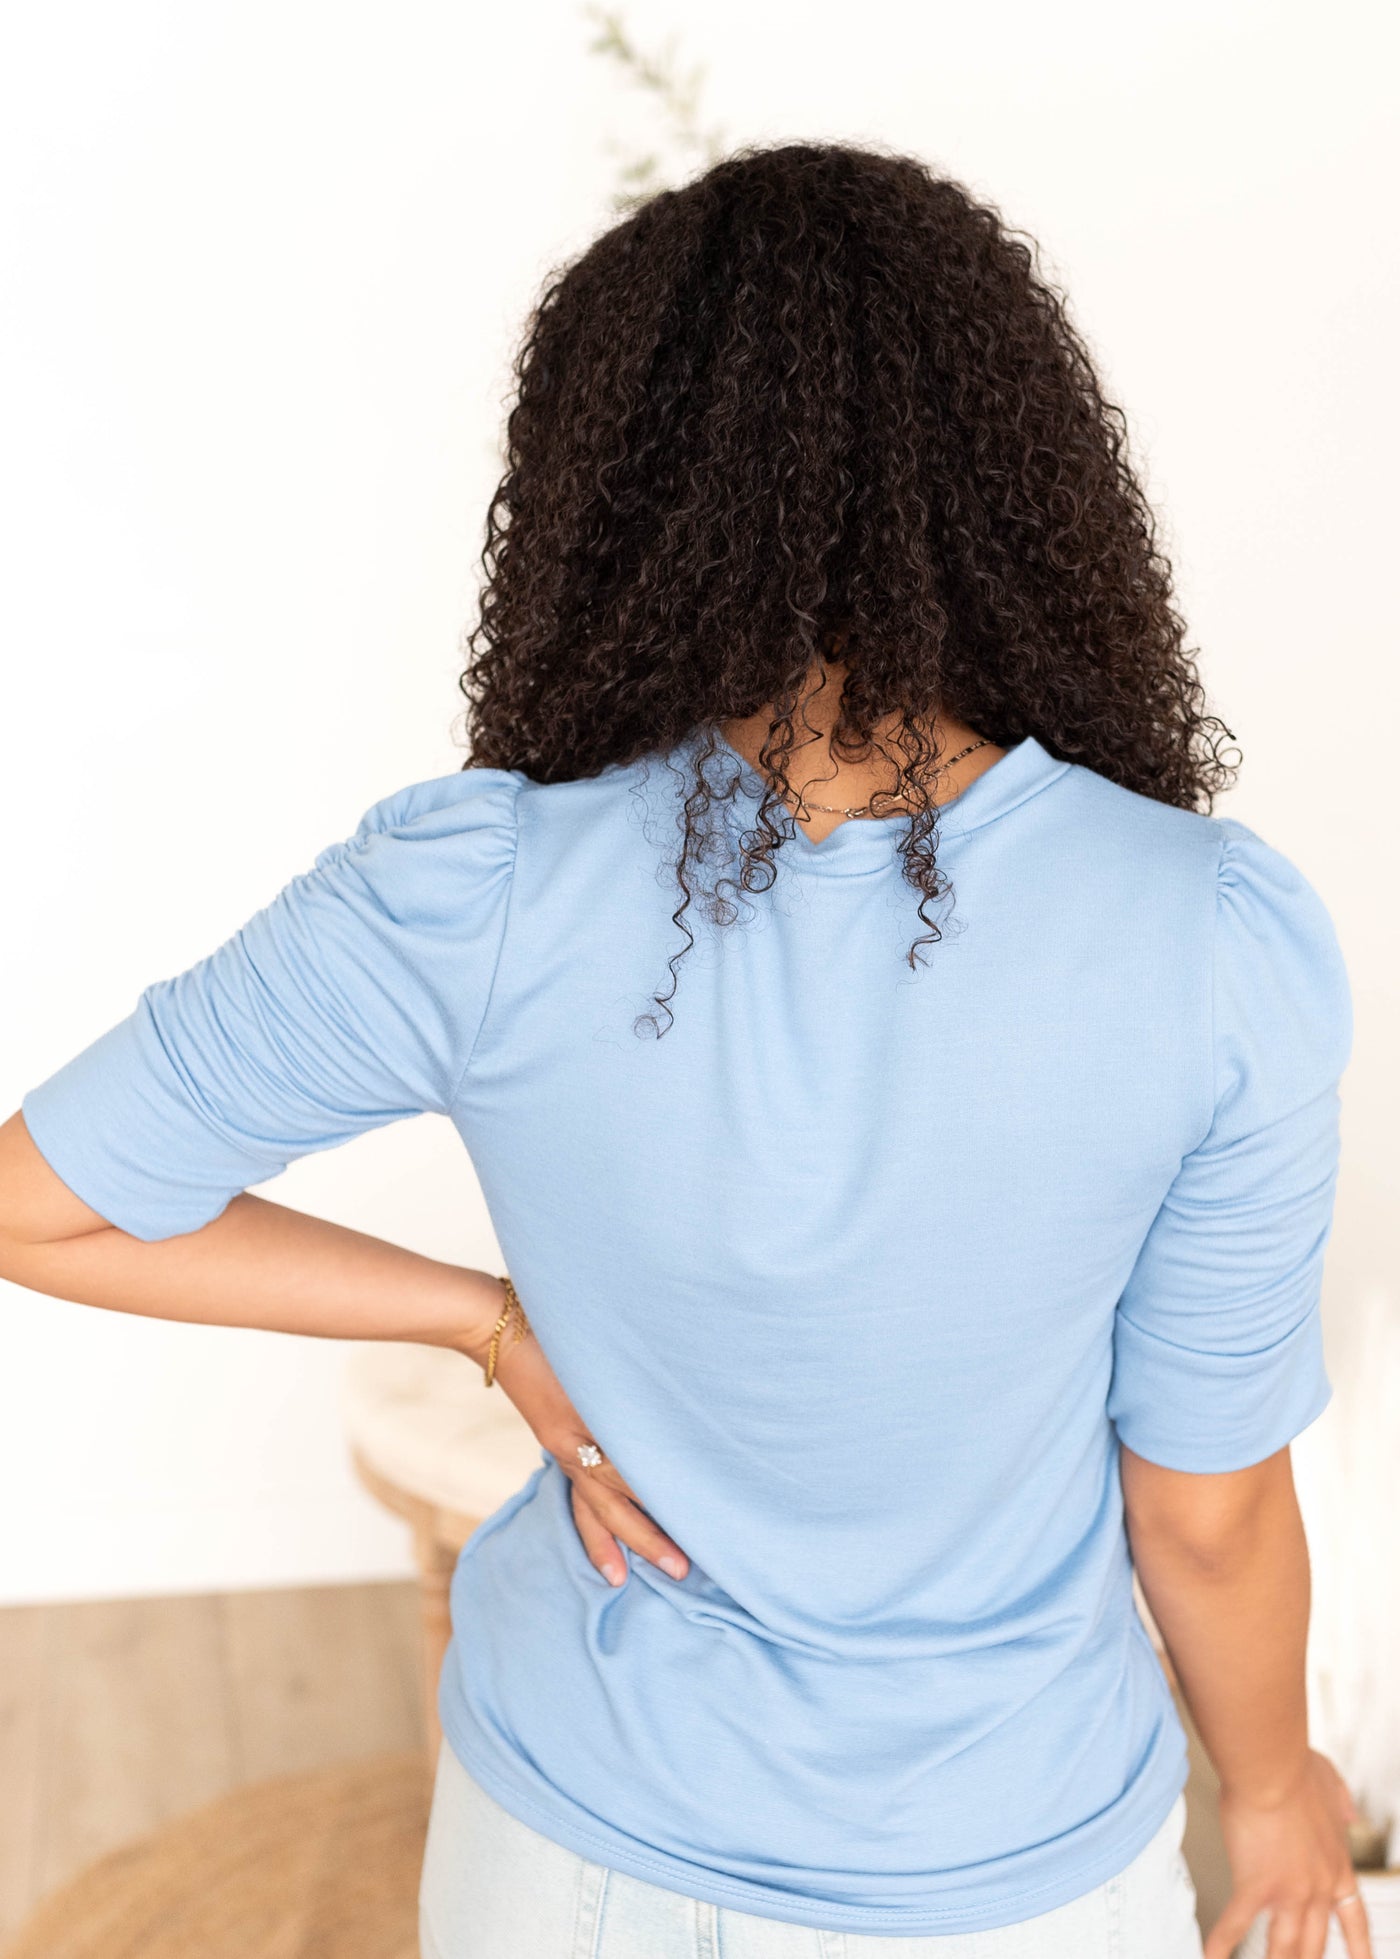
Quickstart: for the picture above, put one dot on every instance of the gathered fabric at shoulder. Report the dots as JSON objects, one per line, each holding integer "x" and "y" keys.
{"x": 1218, "y": 1355}
{"x": 434, "y": 856}
{"x": 468, "y": 801}
{"x": 352, "y": 999}
{"x": 1283, "y": 1011}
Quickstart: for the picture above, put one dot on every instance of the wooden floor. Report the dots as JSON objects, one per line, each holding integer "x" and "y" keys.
{"x": 116, "y": 1715}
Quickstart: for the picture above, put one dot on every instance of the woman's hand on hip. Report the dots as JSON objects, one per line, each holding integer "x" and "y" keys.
{"x": 607, "y": 1513}
{"x": 1289, "y": 1858}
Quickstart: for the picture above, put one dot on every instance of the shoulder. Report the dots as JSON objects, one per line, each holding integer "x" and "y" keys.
{"x": 473, "y": 800}
{"x": 446, "y": 844}
{"x": 584, "y": 803}
{"x": 471, "y": 808}
{"x": 1121, "y": 826}
{"x": 1281, "y": 976}
{"x": 1252, "y": 875}
{"x": 425, "y": 849}
{"x": 467, "y": 801}
{"x": 1225, "y": 859}
{"x": 1249, "y": 896}
{"x": 1231, "y": 903}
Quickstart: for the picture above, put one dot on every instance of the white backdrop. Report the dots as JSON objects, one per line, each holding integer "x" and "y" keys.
{"x": 265, "y": 264}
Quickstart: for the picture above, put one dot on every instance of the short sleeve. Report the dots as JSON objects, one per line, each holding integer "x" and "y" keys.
{"x": 353, "y": 999}
{"x": 1218, "y": 1358}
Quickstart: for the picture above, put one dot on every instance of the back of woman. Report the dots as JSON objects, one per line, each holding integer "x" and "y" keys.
{"x": 884, "y": 1195}
{"x": 853, "y": 1274}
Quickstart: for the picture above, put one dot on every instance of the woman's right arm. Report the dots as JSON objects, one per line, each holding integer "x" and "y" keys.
{"x": 352, "y": 1000}
{"x": 1223, "y": 1565}
{"x": 257, "y": 1264}
{"x": 264, "y": 1265}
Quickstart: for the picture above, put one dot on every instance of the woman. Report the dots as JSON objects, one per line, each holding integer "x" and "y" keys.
{"x": 909, "y": 1119}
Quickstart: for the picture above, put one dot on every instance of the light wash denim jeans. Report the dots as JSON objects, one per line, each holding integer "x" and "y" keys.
{"x": 493, "y": 1888}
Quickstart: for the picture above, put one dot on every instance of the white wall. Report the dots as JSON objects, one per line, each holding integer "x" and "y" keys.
{"x": 266, "y": 266}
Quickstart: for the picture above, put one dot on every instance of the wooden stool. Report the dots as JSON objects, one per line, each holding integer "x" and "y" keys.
{"x": 441, "y": 1450}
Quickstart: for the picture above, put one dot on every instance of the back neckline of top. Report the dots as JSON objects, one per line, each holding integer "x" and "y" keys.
{"x": 862, "y": 843}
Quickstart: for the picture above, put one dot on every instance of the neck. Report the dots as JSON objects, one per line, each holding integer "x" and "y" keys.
{"x": 816, "y": 771}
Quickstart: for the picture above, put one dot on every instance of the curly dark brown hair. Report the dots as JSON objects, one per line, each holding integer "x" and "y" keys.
{"x": 821, "y": 395}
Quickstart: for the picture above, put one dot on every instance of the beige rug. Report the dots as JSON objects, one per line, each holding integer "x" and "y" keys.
{"x": 319, "y": 1866}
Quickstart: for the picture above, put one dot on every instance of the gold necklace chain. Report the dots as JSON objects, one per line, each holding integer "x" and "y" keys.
{"x": 832, "y": 809}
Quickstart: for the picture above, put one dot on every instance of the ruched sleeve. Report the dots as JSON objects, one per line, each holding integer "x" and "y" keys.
{"x": 352, "y": 999}
{"x": 1218, "y": 1356}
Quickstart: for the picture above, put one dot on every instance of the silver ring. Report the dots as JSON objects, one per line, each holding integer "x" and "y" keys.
{"x": 590, "y": 1455}
{"x": 1351, "y": 1898}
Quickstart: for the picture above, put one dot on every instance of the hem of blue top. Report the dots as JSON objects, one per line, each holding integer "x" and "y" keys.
{"x": 84, "y": 1178}
{"x": 1140, "y": 1814}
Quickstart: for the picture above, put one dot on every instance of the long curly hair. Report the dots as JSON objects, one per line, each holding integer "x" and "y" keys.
{"x": 820, "y": 397}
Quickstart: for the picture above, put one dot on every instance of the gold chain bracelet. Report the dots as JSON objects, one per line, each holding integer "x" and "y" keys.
{"x": 512, "y": 1305}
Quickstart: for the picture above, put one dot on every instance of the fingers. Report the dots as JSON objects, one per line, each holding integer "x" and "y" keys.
{"x": 613, "y": 1512}
{"x": 1230, "y": 1928}
{"x": 606, "y": 1512}
{"x": 619, "y": 1512}
{"x": 1356, "y": 1931}
{"x": 1285, "y": 1933}
{"x": 598, "y": 1541}
{"x": 1293, "y": 1934}
{"x": 1312, "y": 1935}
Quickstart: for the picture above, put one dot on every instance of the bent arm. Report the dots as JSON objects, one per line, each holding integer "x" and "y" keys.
{"x": 256, "y": 1265}
{"x": 263, "y": 1265}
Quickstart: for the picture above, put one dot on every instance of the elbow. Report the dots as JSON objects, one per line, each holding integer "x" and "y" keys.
{"x": 36, "y": 1207}
{"x": 17, "y": 1254}
{"x": 1207, "y": 1527}
{"x": 1202, "y": 1557}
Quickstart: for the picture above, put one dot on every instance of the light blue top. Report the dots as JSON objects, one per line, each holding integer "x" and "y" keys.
{"x": 858, "y": 1274}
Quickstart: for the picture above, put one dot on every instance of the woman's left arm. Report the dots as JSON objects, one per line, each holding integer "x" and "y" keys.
{"x": 1223, "y": 1563}
{"x": 264, "y": 1265}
